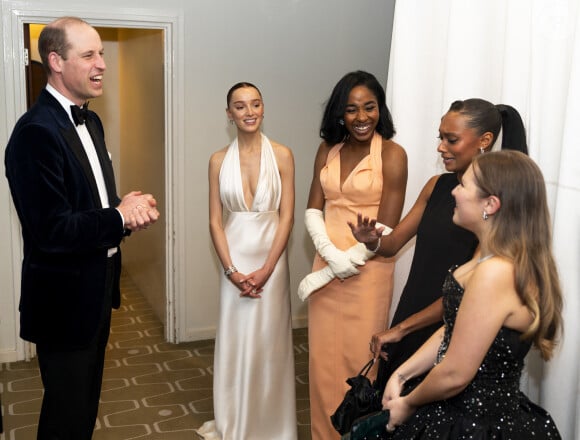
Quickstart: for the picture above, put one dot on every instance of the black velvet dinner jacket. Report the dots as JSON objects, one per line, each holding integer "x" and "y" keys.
{"x": 66, "y": 232}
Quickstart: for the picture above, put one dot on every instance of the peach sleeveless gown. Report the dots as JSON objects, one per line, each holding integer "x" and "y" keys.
{"x": 343, "y": 316}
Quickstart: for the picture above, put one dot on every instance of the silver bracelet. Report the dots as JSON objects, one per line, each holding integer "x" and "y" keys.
{"x": 230, "y": 270}
{"x": 376, "y": 247}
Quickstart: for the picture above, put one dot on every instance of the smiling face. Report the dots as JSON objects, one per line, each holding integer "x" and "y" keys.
{"x": 79, "y": 77}
{"x": 459, "y": 143}
{"x": 361, "y": 114}
{"x": 469, "y": 205}
{"x": 246, "y": 109}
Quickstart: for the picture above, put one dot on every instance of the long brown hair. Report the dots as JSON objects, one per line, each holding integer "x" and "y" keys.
{"x": 521, "y": 231}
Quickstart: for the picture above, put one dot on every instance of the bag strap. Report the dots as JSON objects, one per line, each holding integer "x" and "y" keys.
{"x": 365, "y": 370}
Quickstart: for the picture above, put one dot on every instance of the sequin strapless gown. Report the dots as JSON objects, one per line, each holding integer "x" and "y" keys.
{"x": 492, "y": 406}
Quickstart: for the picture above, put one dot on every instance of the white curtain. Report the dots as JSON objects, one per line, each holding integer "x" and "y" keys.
{"x": 523, "y": 53}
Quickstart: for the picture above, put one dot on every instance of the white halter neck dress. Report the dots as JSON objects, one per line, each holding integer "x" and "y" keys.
{"x": 254, "y": 379}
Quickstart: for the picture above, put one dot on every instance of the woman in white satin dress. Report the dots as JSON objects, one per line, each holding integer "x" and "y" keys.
{"x": 251, "y": 205}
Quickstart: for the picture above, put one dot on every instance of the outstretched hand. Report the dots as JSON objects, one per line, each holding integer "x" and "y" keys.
{"x": 365, "y": 230}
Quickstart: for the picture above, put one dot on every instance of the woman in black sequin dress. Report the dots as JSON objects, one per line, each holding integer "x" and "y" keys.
{"x": 495, "y": 308}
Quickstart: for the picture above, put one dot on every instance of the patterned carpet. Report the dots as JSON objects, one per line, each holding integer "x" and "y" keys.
{"x": 151, "y": 389}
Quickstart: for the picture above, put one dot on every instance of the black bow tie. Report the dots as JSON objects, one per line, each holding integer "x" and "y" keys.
{"x": 80, "y": 114}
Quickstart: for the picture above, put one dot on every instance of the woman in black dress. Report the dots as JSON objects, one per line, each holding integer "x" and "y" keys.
{"x": 469, "y": 128}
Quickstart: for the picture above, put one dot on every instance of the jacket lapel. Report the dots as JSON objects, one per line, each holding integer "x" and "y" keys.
{"x": 73, "y": 141}
{"x": 104, "y": 160}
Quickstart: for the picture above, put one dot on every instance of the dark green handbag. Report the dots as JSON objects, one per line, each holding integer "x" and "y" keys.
{"x": 371, "y": 426}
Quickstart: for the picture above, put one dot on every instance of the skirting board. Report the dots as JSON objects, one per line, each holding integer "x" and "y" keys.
{"x": 200, "y": 334}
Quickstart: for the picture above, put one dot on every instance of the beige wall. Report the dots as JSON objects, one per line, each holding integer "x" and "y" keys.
{"x": 295, "y": 51}
{"x": 142, "y": 152}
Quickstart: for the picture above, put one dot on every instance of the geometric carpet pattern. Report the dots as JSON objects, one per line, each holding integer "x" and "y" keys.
{"x": 152, "y": 390}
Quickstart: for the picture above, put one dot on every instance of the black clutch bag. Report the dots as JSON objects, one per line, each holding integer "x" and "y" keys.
{"x": 372, "y": 426}
{"x": 362, "y": 398}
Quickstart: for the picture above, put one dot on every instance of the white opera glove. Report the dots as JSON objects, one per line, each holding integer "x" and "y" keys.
{"x": 339, "y": 261}
{"x": 318, "y": 279}
{"x": 314, "y": 281}
{"x": 322, "y": 277}
{"x": 359, "y": 252}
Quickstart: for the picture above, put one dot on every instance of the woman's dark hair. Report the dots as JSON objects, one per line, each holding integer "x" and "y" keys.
{"x": 331, "y": 130}
{"x": 483, "y": 116}
{"x": 239, "y": 86}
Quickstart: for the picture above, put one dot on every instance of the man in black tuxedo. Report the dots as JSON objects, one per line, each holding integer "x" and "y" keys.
{"x": 62, "y": 184}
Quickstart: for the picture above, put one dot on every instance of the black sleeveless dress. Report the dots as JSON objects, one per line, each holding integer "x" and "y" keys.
{"x": 492, "y": 405}
{"x": 440, "y": 244}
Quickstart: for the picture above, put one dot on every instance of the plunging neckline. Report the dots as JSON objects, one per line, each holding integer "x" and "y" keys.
{"x": 250, "y": 207}
{"x": 355, "y": 168}
{"x": 267, "y": 191}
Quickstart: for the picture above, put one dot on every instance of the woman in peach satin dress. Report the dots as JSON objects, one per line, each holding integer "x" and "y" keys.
{"x": 358, "y": 168}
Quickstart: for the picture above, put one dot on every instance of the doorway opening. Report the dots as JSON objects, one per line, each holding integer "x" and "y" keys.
{"x": 139, "y": 99}
{"x": 132, "y": 111}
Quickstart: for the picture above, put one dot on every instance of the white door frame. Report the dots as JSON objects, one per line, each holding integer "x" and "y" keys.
{"x": 14, "y": 15}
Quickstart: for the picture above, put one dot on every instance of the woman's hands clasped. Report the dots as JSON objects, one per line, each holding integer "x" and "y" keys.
{"x": 399, "y": 412}
{"x": 251, "y": 285}
{"x": 399, "y": 408}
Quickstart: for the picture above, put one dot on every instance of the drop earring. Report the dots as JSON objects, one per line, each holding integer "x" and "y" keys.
{"x": 231, "y": 122}
{"x": 481, "y": 150}
{"x": 341, "y": 121}
{"x": 485, "y": 215}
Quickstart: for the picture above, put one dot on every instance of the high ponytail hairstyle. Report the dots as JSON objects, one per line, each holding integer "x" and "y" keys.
{"x": 483, "y": 116}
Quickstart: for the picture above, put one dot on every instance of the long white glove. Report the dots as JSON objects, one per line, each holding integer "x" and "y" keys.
{"x": 315, "y": 280}
{"x": 341, "y": 263}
